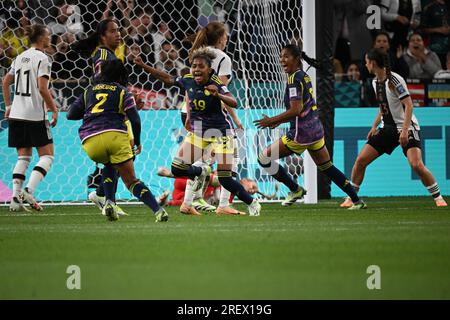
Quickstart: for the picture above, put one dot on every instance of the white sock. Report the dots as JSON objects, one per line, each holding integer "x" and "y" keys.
{"x": 19, "y": 174}
{"x": 39, "y": 172}
{"x": 189, "y": 193}
{"x": 224, "y": 199}
{"x": 434, "y": 191}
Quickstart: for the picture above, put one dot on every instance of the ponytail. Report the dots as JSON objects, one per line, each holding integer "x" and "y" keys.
{"x": 86, "y": 46}
{"x": 387, "y": 65}
{"x": 207, "y": 36}
{"x": 299, "y": 54}
{"x": 382, "y": 60}
{"x": 311, "y": 61}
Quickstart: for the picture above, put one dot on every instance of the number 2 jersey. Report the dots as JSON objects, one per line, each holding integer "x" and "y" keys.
{"x": 105, "y": 105}
{"x": 305, "y": 128}
{"x": 27, "y": 68}
{"x": 206, "y": 111}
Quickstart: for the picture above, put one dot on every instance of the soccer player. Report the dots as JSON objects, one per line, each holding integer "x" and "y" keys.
{"x": 399, "y": 126}
{"x": 27, "y": 116}
{"x": 104, "y": 135}
{"x": 215, "y": 37}
{"x": 306, "y": 131}
{"x": 100, "y": 46}
{"x": 210, "y": 126}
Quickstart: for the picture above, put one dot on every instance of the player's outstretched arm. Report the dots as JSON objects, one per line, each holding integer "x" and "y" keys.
{"x": 158, "y": 74}
{"x": 135, "y": 121}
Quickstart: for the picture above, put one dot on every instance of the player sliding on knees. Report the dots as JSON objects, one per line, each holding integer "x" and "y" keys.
{"x": 210, "y": 126}
{"x": 104, "y": 136}
{"x": 306, "y": 131}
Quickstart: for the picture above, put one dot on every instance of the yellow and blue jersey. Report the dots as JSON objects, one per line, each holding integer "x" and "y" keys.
{"x": 206, "y": 110}
{"x": 100, "y": 55}
{"x": 305, "y": 128}
{"x": 104, "y": 106}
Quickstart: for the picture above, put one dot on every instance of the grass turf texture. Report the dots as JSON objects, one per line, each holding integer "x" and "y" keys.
{"x": 299, "y": 252}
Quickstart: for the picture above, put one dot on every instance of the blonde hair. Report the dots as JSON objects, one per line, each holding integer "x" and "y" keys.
{"x": 207, "y": 36}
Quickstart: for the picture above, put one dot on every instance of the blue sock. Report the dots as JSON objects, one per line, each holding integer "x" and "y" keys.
{"x": 227, "y": 181}
{"x": 339, "y": 179}
{"x": 280, "y": 175}
{"x": 180, "y": 169}
{"x": 140, "y": 191}
{"x": 109, "y": 175}
{"x": 115, "y": 183}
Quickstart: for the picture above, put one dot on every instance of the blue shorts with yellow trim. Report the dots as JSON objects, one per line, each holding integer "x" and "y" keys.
{"x": 298, "y": 148}
{"x": 109, "y": 147}
{"x": 219, "y": 145}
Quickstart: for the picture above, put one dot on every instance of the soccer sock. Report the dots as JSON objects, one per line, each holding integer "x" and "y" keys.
{"x": 108, "y": 177}
{"x": 227, "y": 181}
{"x": 199, "y": 193}
{"x": 280, "y": 174}
{"x": 180, "y": 169}
{"x": 339, "y": 179}
{"x": 19, "y": 174}
{"x": 100, "y": 191}
{"x": 356, "y": 187}
{"x": 434, "y": 191}
{"x": 140, "y": 191}
{"x": 224, "y": 199}
{"x": 39, "y": 172}
{"x": 115, "y": 183}
{"x": 189, "y": 193}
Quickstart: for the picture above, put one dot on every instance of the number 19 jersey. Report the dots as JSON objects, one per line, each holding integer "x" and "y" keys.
{"x": 27, "y": 68}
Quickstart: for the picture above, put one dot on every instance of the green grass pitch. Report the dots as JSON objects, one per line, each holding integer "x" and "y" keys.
{"x": 300, "y": 252}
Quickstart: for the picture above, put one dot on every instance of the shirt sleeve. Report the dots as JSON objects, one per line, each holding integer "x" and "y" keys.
{"x": 223, "y": 89}
{"x": 77, "y": 108}
{"x": 224, "y": 68}
{"x": 12, "y": 70}
{"x": 128, "y": 101}
{"x": 295, "y": 89}
{"x": 44, "y": 68}
{"x": 401, "y": 87}
{"x": 180, "y": 82}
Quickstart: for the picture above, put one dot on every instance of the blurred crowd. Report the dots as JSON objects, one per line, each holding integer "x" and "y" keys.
{"x": 415, "y": 33}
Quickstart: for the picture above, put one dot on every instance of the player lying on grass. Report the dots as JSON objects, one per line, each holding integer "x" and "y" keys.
{"x": 305, "y": 133}
{"x": 210, "y": 194}
{"x": 210, "y": 126}
{"x": 104, "y": 136}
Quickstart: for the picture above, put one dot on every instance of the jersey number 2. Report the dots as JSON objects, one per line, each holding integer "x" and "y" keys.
{"x": 101, "y": 98}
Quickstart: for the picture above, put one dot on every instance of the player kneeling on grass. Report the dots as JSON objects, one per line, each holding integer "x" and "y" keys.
{"x": 104, "y": 136}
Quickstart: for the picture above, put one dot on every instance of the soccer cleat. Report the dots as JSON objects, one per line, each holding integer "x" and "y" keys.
{"x": 358, "y": 206}
{"x": 161, "y": 215}
{"x": 97, "y": 200}
{"x": 198, "y": 180}
{"x": 28, "y": 198}
{"x": 17, "y": 205}
{"x": 254, "y": 209}
{"x": 441, "y": 203}
{"x": 229, "y": 211}
{"x": 120, "y": 211}
{"x": 347, "y": 203}
{"x": 109, "y": 211}
{"x": 163, "y": 199}
{"x": 292, "y": 197}
{"x": 201, "y": 205}
{"x": 189, "y": 210}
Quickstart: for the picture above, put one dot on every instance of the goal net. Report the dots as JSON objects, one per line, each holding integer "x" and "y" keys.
{"x": 156, "y": 32}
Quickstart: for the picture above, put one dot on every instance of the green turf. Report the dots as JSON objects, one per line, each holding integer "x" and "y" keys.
{"x": 300, "y": 252}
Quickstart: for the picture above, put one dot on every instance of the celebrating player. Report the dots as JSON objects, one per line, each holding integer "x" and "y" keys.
{"x": 210, "y": 125}
{"x": 399, "y": 127}
{"x": 306, "y": 131}
{"x": 104, "y": 135}
{"x": 100, "y": 47}
{"x": 215, "y": 37}
{"x": 27, "y": 116}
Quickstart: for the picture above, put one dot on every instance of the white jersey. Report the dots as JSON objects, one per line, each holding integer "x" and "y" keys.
{"x": 27, "y": 68}
{"x": 389, "y": 102}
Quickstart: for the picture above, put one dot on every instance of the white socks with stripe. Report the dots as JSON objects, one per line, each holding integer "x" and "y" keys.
{"x": 434, "y": 191}
{"x": 39, "y": 172}
{"x": 19, "y": 174}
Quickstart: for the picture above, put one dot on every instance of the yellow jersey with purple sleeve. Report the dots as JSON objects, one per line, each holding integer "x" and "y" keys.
{"x": 306, "y": 128}
{"x": 104, "y": 107}
{"x": 206, "y": 110}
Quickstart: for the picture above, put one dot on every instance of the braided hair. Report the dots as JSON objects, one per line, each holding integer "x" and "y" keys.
{"x": 383, "y": 61}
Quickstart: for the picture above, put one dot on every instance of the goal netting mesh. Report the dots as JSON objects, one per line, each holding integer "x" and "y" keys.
{"x": 156, "y": 31}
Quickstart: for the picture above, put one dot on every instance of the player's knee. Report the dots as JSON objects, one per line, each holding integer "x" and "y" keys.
{"x": 417, "y": 166}
{"x": 361, "y": 162}
{"x": 44, "y": 164}
{"x": 263, "y": 160}
{"x": 179, "y": 168}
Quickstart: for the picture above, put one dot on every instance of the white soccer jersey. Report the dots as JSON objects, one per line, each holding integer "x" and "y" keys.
{"x": 28, "y": 103}
{"x": 222, "y": 63}
{"x": 392, "y": 109}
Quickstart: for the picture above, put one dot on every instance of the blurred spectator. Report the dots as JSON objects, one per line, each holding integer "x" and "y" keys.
{"x": 12, "y": 39}
{"x": 436, "y": 24}
{"x": 67, "y": 64}
{"x": 137, "y": 77}
{"x": 68, "y": 19}
{"x": 350, "y": 29}
{"x": 353, "y": 73}
{"x": 400, "y": 18}
{"x": 423, "y": 63}
{"x": 119, "y": 10}
{"x": 398, "y": 63}
{"x": 169, "y": 60}
{"x": 444, "y": 74}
